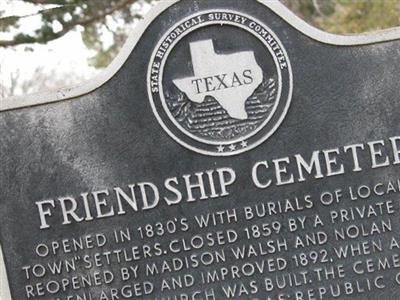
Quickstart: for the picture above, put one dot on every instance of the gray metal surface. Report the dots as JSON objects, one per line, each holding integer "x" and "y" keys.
{"x": 109, "y": 136}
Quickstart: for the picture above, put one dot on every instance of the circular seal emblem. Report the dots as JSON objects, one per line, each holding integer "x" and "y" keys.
{"x": 220, "y": 82}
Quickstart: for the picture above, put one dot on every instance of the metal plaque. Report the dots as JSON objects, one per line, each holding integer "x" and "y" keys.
{"x": 231, "y": 151}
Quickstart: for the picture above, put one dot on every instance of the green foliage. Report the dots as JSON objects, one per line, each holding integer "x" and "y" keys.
{"x": 97, "y": 18}
{"x": 348, "y": 16}
{"x": 361, "y": 16}
{"x": 7, "y": 22}
{"x": 93, "y": 18}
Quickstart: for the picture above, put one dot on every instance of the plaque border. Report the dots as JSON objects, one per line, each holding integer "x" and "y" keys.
{"x": 4, "y": 286}
{"x": 278, "y": 8}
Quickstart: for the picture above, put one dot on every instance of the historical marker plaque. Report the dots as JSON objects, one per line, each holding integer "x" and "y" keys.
{"x": 236, "y": 154}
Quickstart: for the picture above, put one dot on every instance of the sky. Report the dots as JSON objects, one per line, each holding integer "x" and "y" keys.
{"x": 64, "y": 60}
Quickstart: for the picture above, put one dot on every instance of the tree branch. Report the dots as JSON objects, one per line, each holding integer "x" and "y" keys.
{"x": 44, "y": 37}
{"x": 44, "y": 2}
{"x": 107, "y": 12}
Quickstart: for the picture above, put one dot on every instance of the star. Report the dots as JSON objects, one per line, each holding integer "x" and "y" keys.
{"x": 221, "y": 149}
{"x": 232, "y": 147}
{"x": 244, "y": 144}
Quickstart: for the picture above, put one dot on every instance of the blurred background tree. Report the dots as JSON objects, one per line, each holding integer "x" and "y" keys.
{"x": 30, "y": 26}
{"x": 93, "y": 17}
{"x": 347, "y": 16}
